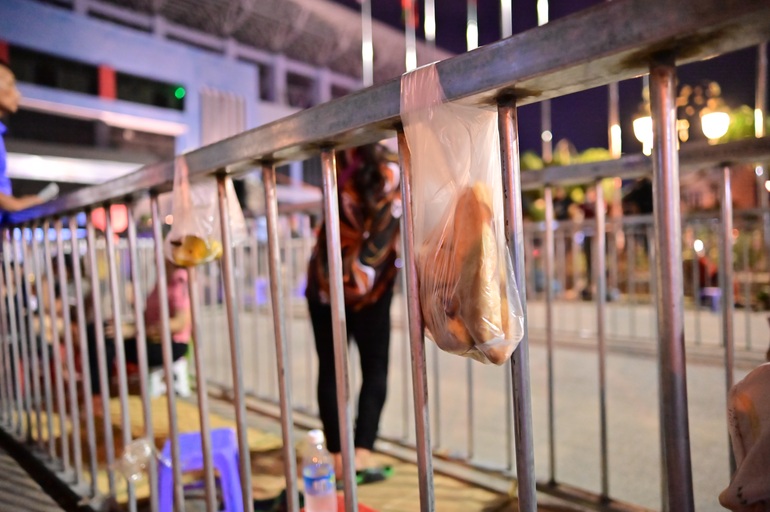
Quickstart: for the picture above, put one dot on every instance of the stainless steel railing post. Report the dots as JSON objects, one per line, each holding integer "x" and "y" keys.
{"x": 20, "y": 370}
{"x": 677, "y": 470}
{"x": 37, "y": 342}
{"x": 726, "y": 269}
{"x": 549, "y": 264}
{"x": 101, "y": 356}
{"x": 416, "y": 337}
{"x": 600, "y": 278}
{"x": 141, "y": 349}
{"x": 281, "y": 334}
{"x": 119, "y": 342}
{"x": 168, "y": 356}
{"x": 525, "y": 457}
{"x": 54, "y": 344}
{"x": 233, "y": 328}
{"x": 77, "y": 451}
{"x": 202, "y": 392}
{"x": 84, "y": 355}
{"x": 339, "y": 325}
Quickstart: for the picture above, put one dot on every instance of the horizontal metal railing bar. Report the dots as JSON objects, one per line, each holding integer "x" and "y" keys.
{"x": 565, "y": 56}
{"x": 692, "y": 157}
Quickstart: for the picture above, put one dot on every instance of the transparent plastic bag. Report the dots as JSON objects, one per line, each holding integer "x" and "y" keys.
{"x": 195, "y": 235}
{"x": 135, "y": 461}
{"x": 468, "y": 294}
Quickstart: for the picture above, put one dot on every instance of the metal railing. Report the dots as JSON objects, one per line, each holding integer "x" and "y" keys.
{"x": 565, "y": 56}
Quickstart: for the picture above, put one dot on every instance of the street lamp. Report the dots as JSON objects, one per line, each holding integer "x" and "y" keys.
{"x": 714, "y": 125}
{"x": 643, "y": 133}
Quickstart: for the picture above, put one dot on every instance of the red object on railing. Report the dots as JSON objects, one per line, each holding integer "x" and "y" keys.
{"x": 118, "y": 215}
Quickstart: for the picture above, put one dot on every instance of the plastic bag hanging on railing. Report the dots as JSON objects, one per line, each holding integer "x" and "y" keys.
{"x": 195, "y": 235}
{"x": 134, "y": 463}
{"x": 468, "y": 294}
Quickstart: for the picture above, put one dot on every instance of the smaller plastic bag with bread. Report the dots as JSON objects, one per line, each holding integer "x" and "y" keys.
{"x": 468, "y": 294}
{"x": 195, "y": 237}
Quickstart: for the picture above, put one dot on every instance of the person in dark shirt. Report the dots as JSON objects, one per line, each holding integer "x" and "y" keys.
{"x": 370, "y": 209}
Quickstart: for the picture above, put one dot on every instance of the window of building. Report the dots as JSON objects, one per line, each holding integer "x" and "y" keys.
{"x": 50, "y": 71}
{"x": 150, "y": 92}
{"x": 299, "y": 91}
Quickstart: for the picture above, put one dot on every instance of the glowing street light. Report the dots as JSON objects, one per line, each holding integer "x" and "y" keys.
{"x": 643, "y": 133}
{"x": 714, "y": 125}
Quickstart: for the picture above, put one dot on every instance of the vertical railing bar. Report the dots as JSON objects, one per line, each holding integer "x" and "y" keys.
{"x": 726, "y": 284}
{"x": 612, "y": 288}
{"x": 561, "y": 250}
{"x": 32, "y": 399}
{"x": 631, "y": 286}
{"x": 17, "y": 324}
{"x": 403, "y": 346}
{"x": 254, "y": 252}
{"x": 254, "y": 263}
{"x": 416, "y": 336}
{"x": 168, "y": 356}
{"x": 677, "y": 482}
{"x": 510, "y": 448}
{"x": 55, "y": 344}
{"x": 119, "y": 341}
{"x": 600, "y": 277}
{"x": 339, "y": 325}
{"x": 469, "y": 410}
{"x": 202, "y": 392}
{"x": 84, "y": 355}
{"x": 101, "y": 356}
{"x": 6, "y": 396}
{"x": 8, "y": 254}
{"x": 549, "y": 264}
{"x": 40, "y": 342}
{"x": 77, "y": 452}
{"x": 529, "y": 263}
{"x": 279, "y": 322}
{"x": 141, "y": 350}
{"x": 233, "y": 327}
{"x": 436, "y": 371}
{"x": 28, "y": 336}
{"x": 576, "y": 250}
{"x": 651, "y": 234}
{"x": 511, "y": 180}
{"x": 9, "y": 405}
{"x": 696, "y": 289}
{"x": 747, "y": 285}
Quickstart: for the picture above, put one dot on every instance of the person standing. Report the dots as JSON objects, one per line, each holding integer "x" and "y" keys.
{"x": 370, "y": 211}
{"x": 9, "y": 104}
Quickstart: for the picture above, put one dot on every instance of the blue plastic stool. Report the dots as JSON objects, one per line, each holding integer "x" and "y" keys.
{"x": 224, "y": 454}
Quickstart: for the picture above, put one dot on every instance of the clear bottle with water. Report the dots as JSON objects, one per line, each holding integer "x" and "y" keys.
{"x": 318, "y": 475}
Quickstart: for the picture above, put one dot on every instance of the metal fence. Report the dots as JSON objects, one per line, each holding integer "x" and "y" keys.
{"x": 39, "y": 386}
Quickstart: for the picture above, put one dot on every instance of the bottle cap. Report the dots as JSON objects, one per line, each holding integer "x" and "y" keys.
{"x": 316, "y": 436}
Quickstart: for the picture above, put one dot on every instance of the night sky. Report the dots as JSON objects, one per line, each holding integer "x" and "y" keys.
{"x": 581, "y": 118}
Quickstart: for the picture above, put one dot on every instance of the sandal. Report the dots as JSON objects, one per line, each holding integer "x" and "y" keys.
{"x": 373, "y": 475}
{"x": 369, "y": 476}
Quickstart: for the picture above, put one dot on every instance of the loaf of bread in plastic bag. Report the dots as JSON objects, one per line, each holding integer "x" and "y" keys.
{"x": 462, "y": 293}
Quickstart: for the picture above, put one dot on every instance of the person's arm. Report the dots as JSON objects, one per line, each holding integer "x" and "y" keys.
{"x": 14, "y": 204}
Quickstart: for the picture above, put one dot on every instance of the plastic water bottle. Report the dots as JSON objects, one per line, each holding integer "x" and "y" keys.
{"x": 318, "y": 474}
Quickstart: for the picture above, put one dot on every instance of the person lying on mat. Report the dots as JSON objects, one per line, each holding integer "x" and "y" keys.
{"x": 180, "y": 325}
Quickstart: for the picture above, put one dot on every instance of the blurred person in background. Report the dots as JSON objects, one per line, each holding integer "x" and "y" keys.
{"x": 370, "y": 211}
{"x": 9, "y": 104}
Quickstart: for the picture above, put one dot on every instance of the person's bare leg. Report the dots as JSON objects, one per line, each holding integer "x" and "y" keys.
{"x": 337, "y": 465}
{"x": 363, "y": 458}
